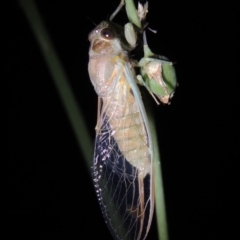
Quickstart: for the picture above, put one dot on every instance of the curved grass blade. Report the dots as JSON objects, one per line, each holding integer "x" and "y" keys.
{"x": 60, "y": 79}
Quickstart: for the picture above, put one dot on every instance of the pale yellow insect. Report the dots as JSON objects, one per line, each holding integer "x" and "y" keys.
{"x": 122, "y": 166}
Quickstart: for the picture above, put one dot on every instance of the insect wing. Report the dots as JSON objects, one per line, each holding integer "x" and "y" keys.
{"x": 124, "y": 193}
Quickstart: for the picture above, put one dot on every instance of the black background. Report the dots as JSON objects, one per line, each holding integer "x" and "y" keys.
{"x": 50, "y": 191}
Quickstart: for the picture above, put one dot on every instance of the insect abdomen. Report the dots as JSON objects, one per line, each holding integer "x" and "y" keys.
{"x": 128, "y": 128}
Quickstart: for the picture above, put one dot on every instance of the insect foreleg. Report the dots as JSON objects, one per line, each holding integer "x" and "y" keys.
{"x": 117, "y": 10}
{"x": 142, "y": 83}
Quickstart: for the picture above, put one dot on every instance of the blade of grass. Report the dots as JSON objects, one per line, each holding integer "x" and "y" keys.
{"x": 160, "y": 209}
{"x": 60, "y": 79}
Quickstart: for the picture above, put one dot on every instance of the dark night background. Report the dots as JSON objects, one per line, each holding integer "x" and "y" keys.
{"x": 50, "y": 192}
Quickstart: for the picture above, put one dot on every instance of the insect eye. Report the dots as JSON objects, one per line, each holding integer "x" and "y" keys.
{"x": 107, "y": 33}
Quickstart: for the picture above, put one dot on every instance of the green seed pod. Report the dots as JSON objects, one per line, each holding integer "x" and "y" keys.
{"x": 159, "y": 77}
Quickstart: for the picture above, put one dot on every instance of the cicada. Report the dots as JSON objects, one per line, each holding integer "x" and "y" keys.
{"x": 123, "y": 151}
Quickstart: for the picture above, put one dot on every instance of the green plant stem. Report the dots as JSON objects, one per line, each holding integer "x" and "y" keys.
{"x": 132, "y": 13}
{"x": 60, "y": 79}
{"x": 159, "y": 190}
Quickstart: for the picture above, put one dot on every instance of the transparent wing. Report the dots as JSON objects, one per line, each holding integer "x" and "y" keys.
{"x": 124, "y": 192}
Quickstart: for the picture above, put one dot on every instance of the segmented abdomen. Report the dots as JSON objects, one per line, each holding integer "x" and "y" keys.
{"x": 128, "y": 127}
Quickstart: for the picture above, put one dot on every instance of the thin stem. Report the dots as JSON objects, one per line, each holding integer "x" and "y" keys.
{"x": 132, "y": 13}
{"x": 159, "y": 189}
{"x": 60, "y": 79}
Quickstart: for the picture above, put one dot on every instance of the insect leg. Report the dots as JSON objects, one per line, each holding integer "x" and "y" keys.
{"x": 117, "y": 10}
{"x": 141, "y": 82}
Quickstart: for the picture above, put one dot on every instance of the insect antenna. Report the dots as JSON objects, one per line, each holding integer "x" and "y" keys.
{"x": 90, "y": 20}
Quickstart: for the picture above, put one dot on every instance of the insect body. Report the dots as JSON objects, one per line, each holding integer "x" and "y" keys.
{"x": 122, "y": 166}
